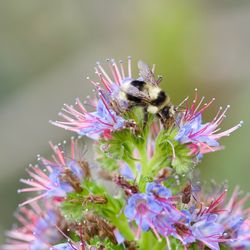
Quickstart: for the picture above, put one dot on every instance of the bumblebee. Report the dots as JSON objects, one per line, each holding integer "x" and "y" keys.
{"x": 145, "y": 92}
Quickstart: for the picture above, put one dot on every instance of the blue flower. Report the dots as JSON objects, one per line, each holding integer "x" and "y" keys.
{"x": 208, "y": 231}
{"x": 142, "y": 209}
{"x": 126, "y": 172}
{"x": 108, "y": 106}
{"x": 201, "y": 138}
{"x": 49, "y": 180}
{"x": 163, "y": 196}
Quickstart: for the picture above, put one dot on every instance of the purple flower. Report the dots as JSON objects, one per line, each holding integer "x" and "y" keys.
{"x": 142, "y": 208}
{"x": 154, "y": 210}
{"x": 70, "y": 246}
{"x": 50, "y": 180}
{"x": 205, "y": 229}
{"x": 126, "y": 172}
{"x": 118, "y": 236}
{"x": 110, "y": 104}
{"x": 236, "y": 222}
{"x": 37, "y": 230}
{"x": 201, "y": 138}
{"x": 164, "y": 197}
{"x": 208, "y": 231}
{"x": 91, "y": 124}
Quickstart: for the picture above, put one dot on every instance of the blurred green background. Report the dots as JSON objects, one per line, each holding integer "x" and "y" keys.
{"x": 47, "y": 48}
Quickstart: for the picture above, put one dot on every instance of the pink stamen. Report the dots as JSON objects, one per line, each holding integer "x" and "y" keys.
{"x": 104, "y": 72}
{"x": 222, "y": 116}
{"x": 122, "y": 69}
{"x": 227, "y": 132}
{"x": 117, "y": 72}
{"x": 106, "y": 105}
{"x": 199, "y": 104}
{"x": 58, "y": 152}
{"x": 72, "y": 148}
{"x": 33, "y": 184}
{"x": 33, "y": 199}
{"x": 154, "y": 230}
{"x": 78, "y": 102}
{"x": 112, "y": 70}
{"x": 206, "y": 106}
{"x": 38, "y": 171}
{"x": 24, "y": 190}
{"x": 67, "y": 118}
{"x": 129, "y": 67}
{"x": 168, "y": 243}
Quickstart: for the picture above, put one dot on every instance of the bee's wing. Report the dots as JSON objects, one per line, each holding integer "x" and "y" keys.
{"x": 146, "y": 73}
{"x": 131, "y": 90}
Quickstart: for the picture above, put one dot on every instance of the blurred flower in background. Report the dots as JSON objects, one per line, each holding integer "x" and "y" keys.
{"x": 46, "y": 47}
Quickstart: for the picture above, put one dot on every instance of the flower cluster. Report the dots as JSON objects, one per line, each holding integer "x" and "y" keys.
{"x": 201, "y": 138}
{"x": 36, "y": 230}
{"x": 55, "y": 178}
{"x": 143, "y": 192}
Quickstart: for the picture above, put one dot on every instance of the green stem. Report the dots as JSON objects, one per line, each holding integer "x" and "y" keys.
{"x": 144, "y": 158}
{"x": 122, "y": 224}
{"x": 145, "y": 241}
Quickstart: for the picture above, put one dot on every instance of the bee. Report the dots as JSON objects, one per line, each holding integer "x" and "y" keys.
{"x": 145, "y": 92}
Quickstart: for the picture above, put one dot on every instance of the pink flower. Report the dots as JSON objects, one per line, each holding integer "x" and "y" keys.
{"x": 107, "y": 108}
{"x": 36, "y": 230}
{"x": 51, "y": 180}
{"x": 201, "y": 138}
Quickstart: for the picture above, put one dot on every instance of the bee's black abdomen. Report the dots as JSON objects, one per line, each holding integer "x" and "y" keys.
{"x": 161, "y": 98}
{"x": 133, "y": 98}
{"x": 138, "y": 84}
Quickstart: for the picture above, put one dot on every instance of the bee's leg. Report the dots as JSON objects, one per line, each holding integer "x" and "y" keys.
{"x": 159, "y": 115}
{"x": 145, "y": 118}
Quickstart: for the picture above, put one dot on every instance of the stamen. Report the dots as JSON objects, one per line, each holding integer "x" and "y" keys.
{"x": 168, "y": 243}
{"x": 122, "y": 69}
{"x": 129, "y": 67}
{"x": 112, "y": 70}
{"x": 72, "y": 148}
{"x": 104, "y": 73}
{"x": 107, "y": 108}
{"x": 32, "y": 200}
{"x": 182, "y": 102}
{"x": 228, "y": 132}
{"x": 198, "y": 106}
{"x": 79, "y": 104}
{"x": 206, "y": 105}
{"x": 221, "y": 117}
{"x": 103, "y": 80}
{"x": 153, "y": 68}
{"x": 154, "y": 230}
{"x": 58, "y": 153}
{"x": 117, "y": 72}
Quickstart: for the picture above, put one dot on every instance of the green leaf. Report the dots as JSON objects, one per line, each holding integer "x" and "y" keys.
{"x": 107, "y": 244}
{"x": 73, "y": 212}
